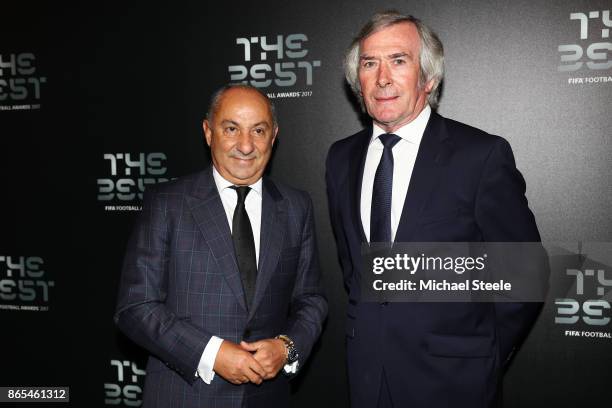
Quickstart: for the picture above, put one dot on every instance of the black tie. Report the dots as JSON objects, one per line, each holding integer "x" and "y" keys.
{"x": 380, "y": 213}
{"x": 244, "y": 245}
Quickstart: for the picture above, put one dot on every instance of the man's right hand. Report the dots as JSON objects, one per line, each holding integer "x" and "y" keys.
{"x": 237, "y": 365}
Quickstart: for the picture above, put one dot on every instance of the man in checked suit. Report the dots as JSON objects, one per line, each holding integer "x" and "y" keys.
{"x": 221, "y": 281}
{"x": 414, "y": 176}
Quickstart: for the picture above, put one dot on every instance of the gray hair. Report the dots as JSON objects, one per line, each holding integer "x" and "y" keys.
{"x": 215, "y": 100}
{"x": 431, "y": 58}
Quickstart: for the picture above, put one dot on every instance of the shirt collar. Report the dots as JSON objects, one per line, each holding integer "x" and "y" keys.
{"x": 411, "y": 132}
{"x": 223, "y": 184}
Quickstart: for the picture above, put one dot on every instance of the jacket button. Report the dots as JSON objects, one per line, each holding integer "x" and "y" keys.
{"x": 246, "y": 334}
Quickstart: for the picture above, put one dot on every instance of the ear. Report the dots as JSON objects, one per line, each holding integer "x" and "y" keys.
{"x": 274, "y": 133}
{"x": 429, "y": 86}
{"x": 207, "y": 131}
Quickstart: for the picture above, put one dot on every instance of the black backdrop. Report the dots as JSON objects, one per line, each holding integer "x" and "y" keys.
{"x": 99, "y": 99}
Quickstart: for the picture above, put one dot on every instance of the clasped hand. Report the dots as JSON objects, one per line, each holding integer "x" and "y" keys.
{"x": 250, "y": 362}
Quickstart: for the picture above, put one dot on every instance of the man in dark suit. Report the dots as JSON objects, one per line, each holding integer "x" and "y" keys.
{"x": 221, "y": 280}
{"x": 414, "y": 176}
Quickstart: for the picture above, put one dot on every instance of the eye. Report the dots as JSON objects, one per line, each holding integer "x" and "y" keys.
{"x": 259, "y": 131}
{"x": 231, "y": 129}
{"x": 399, "y": 61}
{"x": 368, "y": 64}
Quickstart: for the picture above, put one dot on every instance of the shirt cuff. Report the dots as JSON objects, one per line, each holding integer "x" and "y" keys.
{"x": 207, "y": 361}
{"x": 291, "y": 368}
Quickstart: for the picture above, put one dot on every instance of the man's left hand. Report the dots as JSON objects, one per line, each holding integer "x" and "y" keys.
{"x": 270, "y": 353}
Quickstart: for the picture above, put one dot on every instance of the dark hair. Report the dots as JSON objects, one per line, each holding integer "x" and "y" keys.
{"x": 216, "y": 99}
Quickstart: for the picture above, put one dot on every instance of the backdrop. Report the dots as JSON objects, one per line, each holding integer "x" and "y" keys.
{"x": 98, "y": 102}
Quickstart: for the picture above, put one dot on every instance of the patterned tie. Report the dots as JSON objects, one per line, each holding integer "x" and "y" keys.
{"x": 244, "y": 244}
{"x": 380, "y": 213}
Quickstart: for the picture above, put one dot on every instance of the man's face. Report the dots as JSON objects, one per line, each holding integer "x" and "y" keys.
{"x": 389, "y": 76}
{"x": 241, "y": 136}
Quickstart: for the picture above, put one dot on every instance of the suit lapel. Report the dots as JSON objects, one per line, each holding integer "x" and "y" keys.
{"x": 357, "y": 165}
{"x": 209, "y": 214}
{"x": 434, "y": 152}
{"x": 273, "y": 228}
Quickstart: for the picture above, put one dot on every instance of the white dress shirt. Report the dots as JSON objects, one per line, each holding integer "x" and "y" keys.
{"x": 229, "y": 198}
{"x": 404, "y": 157}
{"x": 252, "y": 202}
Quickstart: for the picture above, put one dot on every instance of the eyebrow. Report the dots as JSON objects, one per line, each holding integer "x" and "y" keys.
{"x": 391, "y": 56}
{"x": 399, "y": 54}
{"x": 366, "y": 57}
{"x": 234, "y": 123}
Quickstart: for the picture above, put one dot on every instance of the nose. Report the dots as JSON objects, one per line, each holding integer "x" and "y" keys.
{"x": 245, "y": 143}
{"x": 383, "y": 77}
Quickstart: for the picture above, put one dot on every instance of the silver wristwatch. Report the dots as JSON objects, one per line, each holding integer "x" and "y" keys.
{"x": 292, "y": 353}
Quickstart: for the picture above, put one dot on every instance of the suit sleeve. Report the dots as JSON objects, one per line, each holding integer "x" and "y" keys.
{"x": 141, "y": 311}
{"x": 336, "y": 221}
{"x": 503, "y": 215}
{"x": 308, "y": 307}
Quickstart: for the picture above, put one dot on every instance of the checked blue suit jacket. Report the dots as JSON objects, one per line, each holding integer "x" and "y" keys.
{"x": 181, "y": 285}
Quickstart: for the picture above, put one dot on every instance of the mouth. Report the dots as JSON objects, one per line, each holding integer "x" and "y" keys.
{"x": 244, "y": 160}
{"x": 384, "y": 99}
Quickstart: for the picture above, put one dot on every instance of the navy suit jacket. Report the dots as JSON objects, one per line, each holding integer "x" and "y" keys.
{"x": 464, "y": 188}
{"x": 181, "y": 285}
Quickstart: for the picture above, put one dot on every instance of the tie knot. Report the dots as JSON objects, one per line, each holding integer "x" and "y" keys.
{"x": 242, "y": 192}
{"x": 389, "y": 140}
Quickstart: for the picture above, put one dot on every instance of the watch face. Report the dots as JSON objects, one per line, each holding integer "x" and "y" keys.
{"x": 292, "y": 354}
